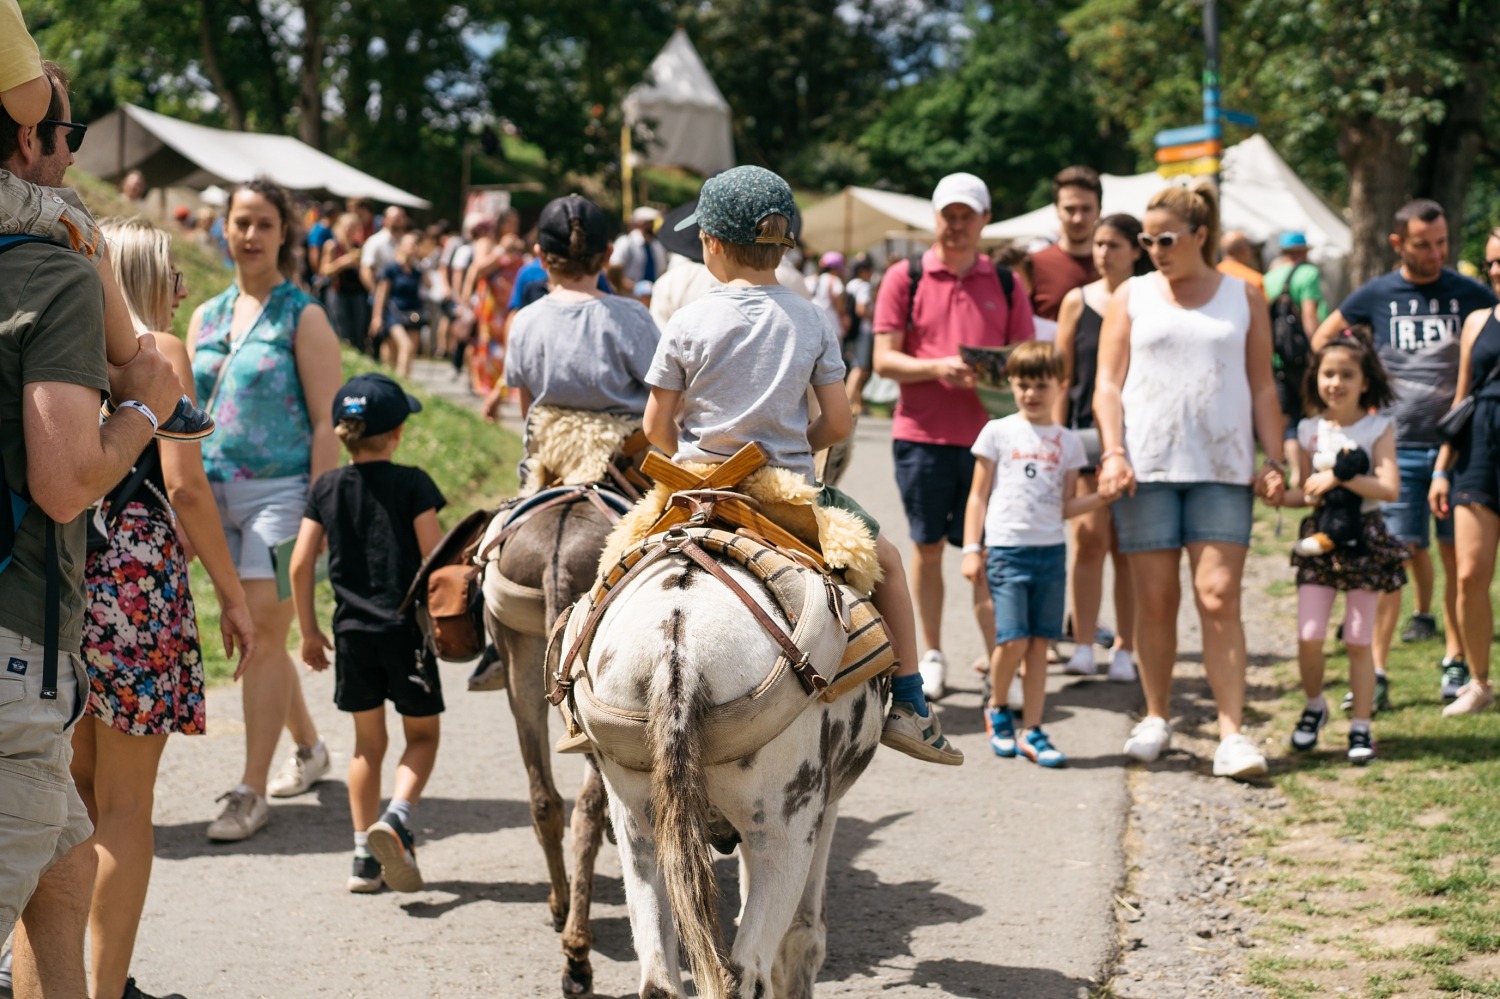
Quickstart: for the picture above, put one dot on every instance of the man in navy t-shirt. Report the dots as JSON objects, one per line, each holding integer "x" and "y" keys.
{"x": 1416, "y": 313}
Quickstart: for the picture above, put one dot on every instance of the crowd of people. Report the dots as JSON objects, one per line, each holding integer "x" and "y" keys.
{"x": 1162, "y": 381}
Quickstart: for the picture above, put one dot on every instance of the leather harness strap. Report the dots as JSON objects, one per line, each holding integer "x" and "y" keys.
{"x": 564, "y": 677}
{"x": 812, "y": 681}
{"x": 590, "y": 493}
{"x": 678, "y": 542}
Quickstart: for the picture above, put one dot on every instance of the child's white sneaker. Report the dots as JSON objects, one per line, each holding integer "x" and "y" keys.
{"x": 933, "y": 668}
{"x": 1122, "y": 666}
{"x": 1149, "y": 739}
{"x": 1082, "y": 663}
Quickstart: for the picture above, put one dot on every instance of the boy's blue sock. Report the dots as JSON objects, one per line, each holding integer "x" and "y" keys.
{"x": 909, "y": 689}
{"x": 401, "y": 808}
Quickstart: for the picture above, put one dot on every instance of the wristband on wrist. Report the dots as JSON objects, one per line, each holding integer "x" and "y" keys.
{"x": 143, "y": 409}
{"x": 971, "y": 549}
{"x": 1442, "y": 474}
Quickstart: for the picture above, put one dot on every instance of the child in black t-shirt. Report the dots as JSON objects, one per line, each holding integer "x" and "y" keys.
{"x": 379, "y": 519}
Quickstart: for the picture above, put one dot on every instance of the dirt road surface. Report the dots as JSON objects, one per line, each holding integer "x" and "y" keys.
{"x": 994, "y": 879}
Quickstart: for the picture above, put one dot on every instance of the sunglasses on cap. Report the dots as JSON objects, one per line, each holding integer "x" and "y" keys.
{"x": 74, "y": 136}
{"x": 1165, "y": 240}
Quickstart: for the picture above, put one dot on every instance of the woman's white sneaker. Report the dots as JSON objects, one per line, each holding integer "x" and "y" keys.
{"x": 1082, "y": 663}
{"x": 1237, "y": 757}
{"x": 933, "y": 668}
{"x": 1122, "y": 666}
{"x": 1149, "y": 739}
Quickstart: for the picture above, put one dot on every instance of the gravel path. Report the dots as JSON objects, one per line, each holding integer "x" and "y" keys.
{"x": 994, "y": 879}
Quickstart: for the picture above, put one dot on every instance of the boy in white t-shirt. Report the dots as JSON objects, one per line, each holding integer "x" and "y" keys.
{"x": 1025, "y": 471}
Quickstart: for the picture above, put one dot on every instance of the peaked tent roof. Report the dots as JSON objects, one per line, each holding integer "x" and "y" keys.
{"x": 170, "y": 152}
{"x": 1261, "y": 195}
{"x": 691, "y": 117}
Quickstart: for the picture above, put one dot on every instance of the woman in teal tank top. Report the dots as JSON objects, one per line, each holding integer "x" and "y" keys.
{"x": 266, "y": 363}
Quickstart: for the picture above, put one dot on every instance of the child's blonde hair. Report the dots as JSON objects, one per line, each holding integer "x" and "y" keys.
{"x": 760, "y": 256}
{"x": 1035, "y": 359}
{"x": 352, "y": 434}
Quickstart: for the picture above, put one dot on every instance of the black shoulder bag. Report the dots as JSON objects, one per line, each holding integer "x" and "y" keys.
{"x": 1456, "y": 420}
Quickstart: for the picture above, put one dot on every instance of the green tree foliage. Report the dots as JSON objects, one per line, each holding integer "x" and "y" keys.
{"x": 1374, "y": 101}
{"x": 1013, "y": 109}
{"x": 805, "y": 79}
{"x": 563, "y": 68}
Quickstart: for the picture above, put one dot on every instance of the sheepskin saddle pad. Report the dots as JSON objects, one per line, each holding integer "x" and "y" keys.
{"x": 843, "y": 538}
{"x": 573, "y": 447}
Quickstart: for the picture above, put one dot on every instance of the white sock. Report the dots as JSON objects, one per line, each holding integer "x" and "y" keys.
{"x": 402, "y": 809}
{"x": 1317, "y": 704}
{"x": 361, "y": 844}
{"x": 1359, "y": 725}
{"x": 244, "y": 789}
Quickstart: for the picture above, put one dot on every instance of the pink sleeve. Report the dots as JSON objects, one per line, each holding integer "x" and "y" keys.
{"x": 891, "y": 302}
{"x": 1020, "y": 324}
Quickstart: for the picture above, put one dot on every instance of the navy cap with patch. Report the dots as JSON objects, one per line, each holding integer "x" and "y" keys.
{"x": 375, "y": 400}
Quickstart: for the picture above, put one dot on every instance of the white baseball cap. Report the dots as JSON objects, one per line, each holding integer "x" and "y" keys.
{"x": 645, "y": 213}
{"x": 961, "y": 189}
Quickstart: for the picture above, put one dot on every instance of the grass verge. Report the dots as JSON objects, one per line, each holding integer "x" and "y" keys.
{"x": 1382, "y": 880}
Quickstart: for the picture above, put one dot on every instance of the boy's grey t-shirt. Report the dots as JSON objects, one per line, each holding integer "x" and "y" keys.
{"x": 743, "y": 358}
{"x": 591, "y": 354}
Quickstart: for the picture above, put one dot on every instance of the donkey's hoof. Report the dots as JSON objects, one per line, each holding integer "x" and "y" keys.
{"x": 578, "y": 981}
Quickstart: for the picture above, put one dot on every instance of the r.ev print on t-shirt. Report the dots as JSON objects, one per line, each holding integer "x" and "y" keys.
{"x": 1417, "y": 324}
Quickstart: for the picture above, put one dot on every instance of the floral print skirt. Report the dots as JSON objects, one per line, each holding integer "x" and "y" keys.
{"x": 140, "y": 633}
{"x": 1375, "y": 565}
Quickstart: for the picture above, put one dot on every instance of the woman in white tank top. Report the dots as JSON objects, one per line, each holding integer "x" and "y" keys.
{"x": 1183, "y": 390}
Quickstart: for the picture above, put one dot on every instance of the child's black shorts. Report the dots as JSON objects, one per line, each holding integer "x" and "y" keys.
{"x": 371, "y": 668}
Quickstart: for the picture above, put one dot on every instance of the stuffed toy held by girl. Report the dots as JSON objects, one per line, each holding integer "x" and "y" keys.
{"x": 1337, "y": 518}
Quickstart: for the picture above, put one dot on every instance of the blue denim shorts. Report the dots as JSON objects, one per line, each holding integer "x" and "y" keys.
{"x": 1164, "y": 515}
{"x": 1409, "y": 518}
{"x": 1029, "y": 585}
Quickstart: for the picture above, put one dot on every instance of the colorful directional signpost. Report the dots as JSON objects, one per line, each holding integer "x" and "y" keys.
{"x": 1195, "y": 150}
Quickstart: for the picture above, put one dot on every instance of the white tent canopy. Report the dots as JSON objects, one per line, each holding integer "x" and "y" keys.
{"x": 1260, "y": 195}
{"x": 172, "y": 152}
{"x": 688, "y": 116}
{"x": 860, "y": 217}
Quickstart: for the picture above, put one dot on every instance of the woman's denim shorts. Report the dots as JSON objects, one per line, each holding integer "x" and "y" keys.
{"x": 1165, "y": 515}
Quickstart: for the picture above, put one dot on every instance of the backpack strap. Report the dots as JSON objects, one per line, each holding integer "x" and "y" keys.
{"x": 52, "y": 611}
{"x": 914, "y": 271}
{"x": 1007, "y": 284}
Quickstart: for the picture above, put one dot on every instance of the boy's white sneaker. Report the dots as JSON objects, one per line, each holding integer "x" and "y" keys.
{"x": 303, "y": 769}
{"x": 933, "y": 668}
{"x": 1122, "y": 666}
{"x": 1083, "y": 662}
{"x": 1237, "y": 757}
{"x": 1149, "y": 739}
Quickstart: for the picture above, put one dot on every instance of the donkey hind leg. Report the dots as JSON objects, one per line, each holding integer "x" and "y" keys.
{"x": 525, "y": 655}
{"x": 650, "y": 913}
{"x": 589, "y": 818}
{"x": 780, "y": 821}
{"x": 805, "y": 944}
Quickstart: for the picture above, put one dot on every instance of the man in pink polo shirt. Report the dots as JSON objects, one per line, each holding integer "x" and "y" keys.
{"x": 959, "y": 300}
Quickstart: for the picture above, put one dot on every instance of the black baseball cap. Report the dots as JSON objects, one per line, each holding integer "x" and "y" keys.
{"x": 376, "y": 401}
{"x": 554, "y": 229}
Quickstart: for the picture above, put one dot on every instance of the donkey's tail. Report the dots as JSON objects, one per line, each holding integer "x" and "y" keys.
{"x": 679, "y": 801}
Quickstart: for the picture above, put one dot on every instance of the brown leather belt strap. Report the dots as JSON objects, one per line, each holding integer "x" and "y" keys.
{"x": 564, "y": 677}
{"x": 812, "y": 680}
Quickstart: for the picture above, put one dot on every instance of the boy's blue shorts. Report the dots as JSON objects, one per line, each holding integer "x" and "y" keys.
{"x": 1029, "y": 584}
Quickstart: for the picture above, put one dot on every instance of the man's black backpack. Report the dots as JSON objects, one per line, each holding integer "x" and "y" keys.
{"x": 1292, "y": 347}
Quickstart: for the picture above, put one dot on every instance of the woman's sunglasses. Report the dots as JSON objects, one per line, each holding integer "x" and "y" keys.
{"x": 1166, "y": 240}
{"x": 74, "y": 136}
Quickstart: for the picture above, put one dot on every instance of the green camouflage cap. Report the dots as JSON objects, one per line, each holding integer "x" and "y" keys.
{"x": 732, "y": 204}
